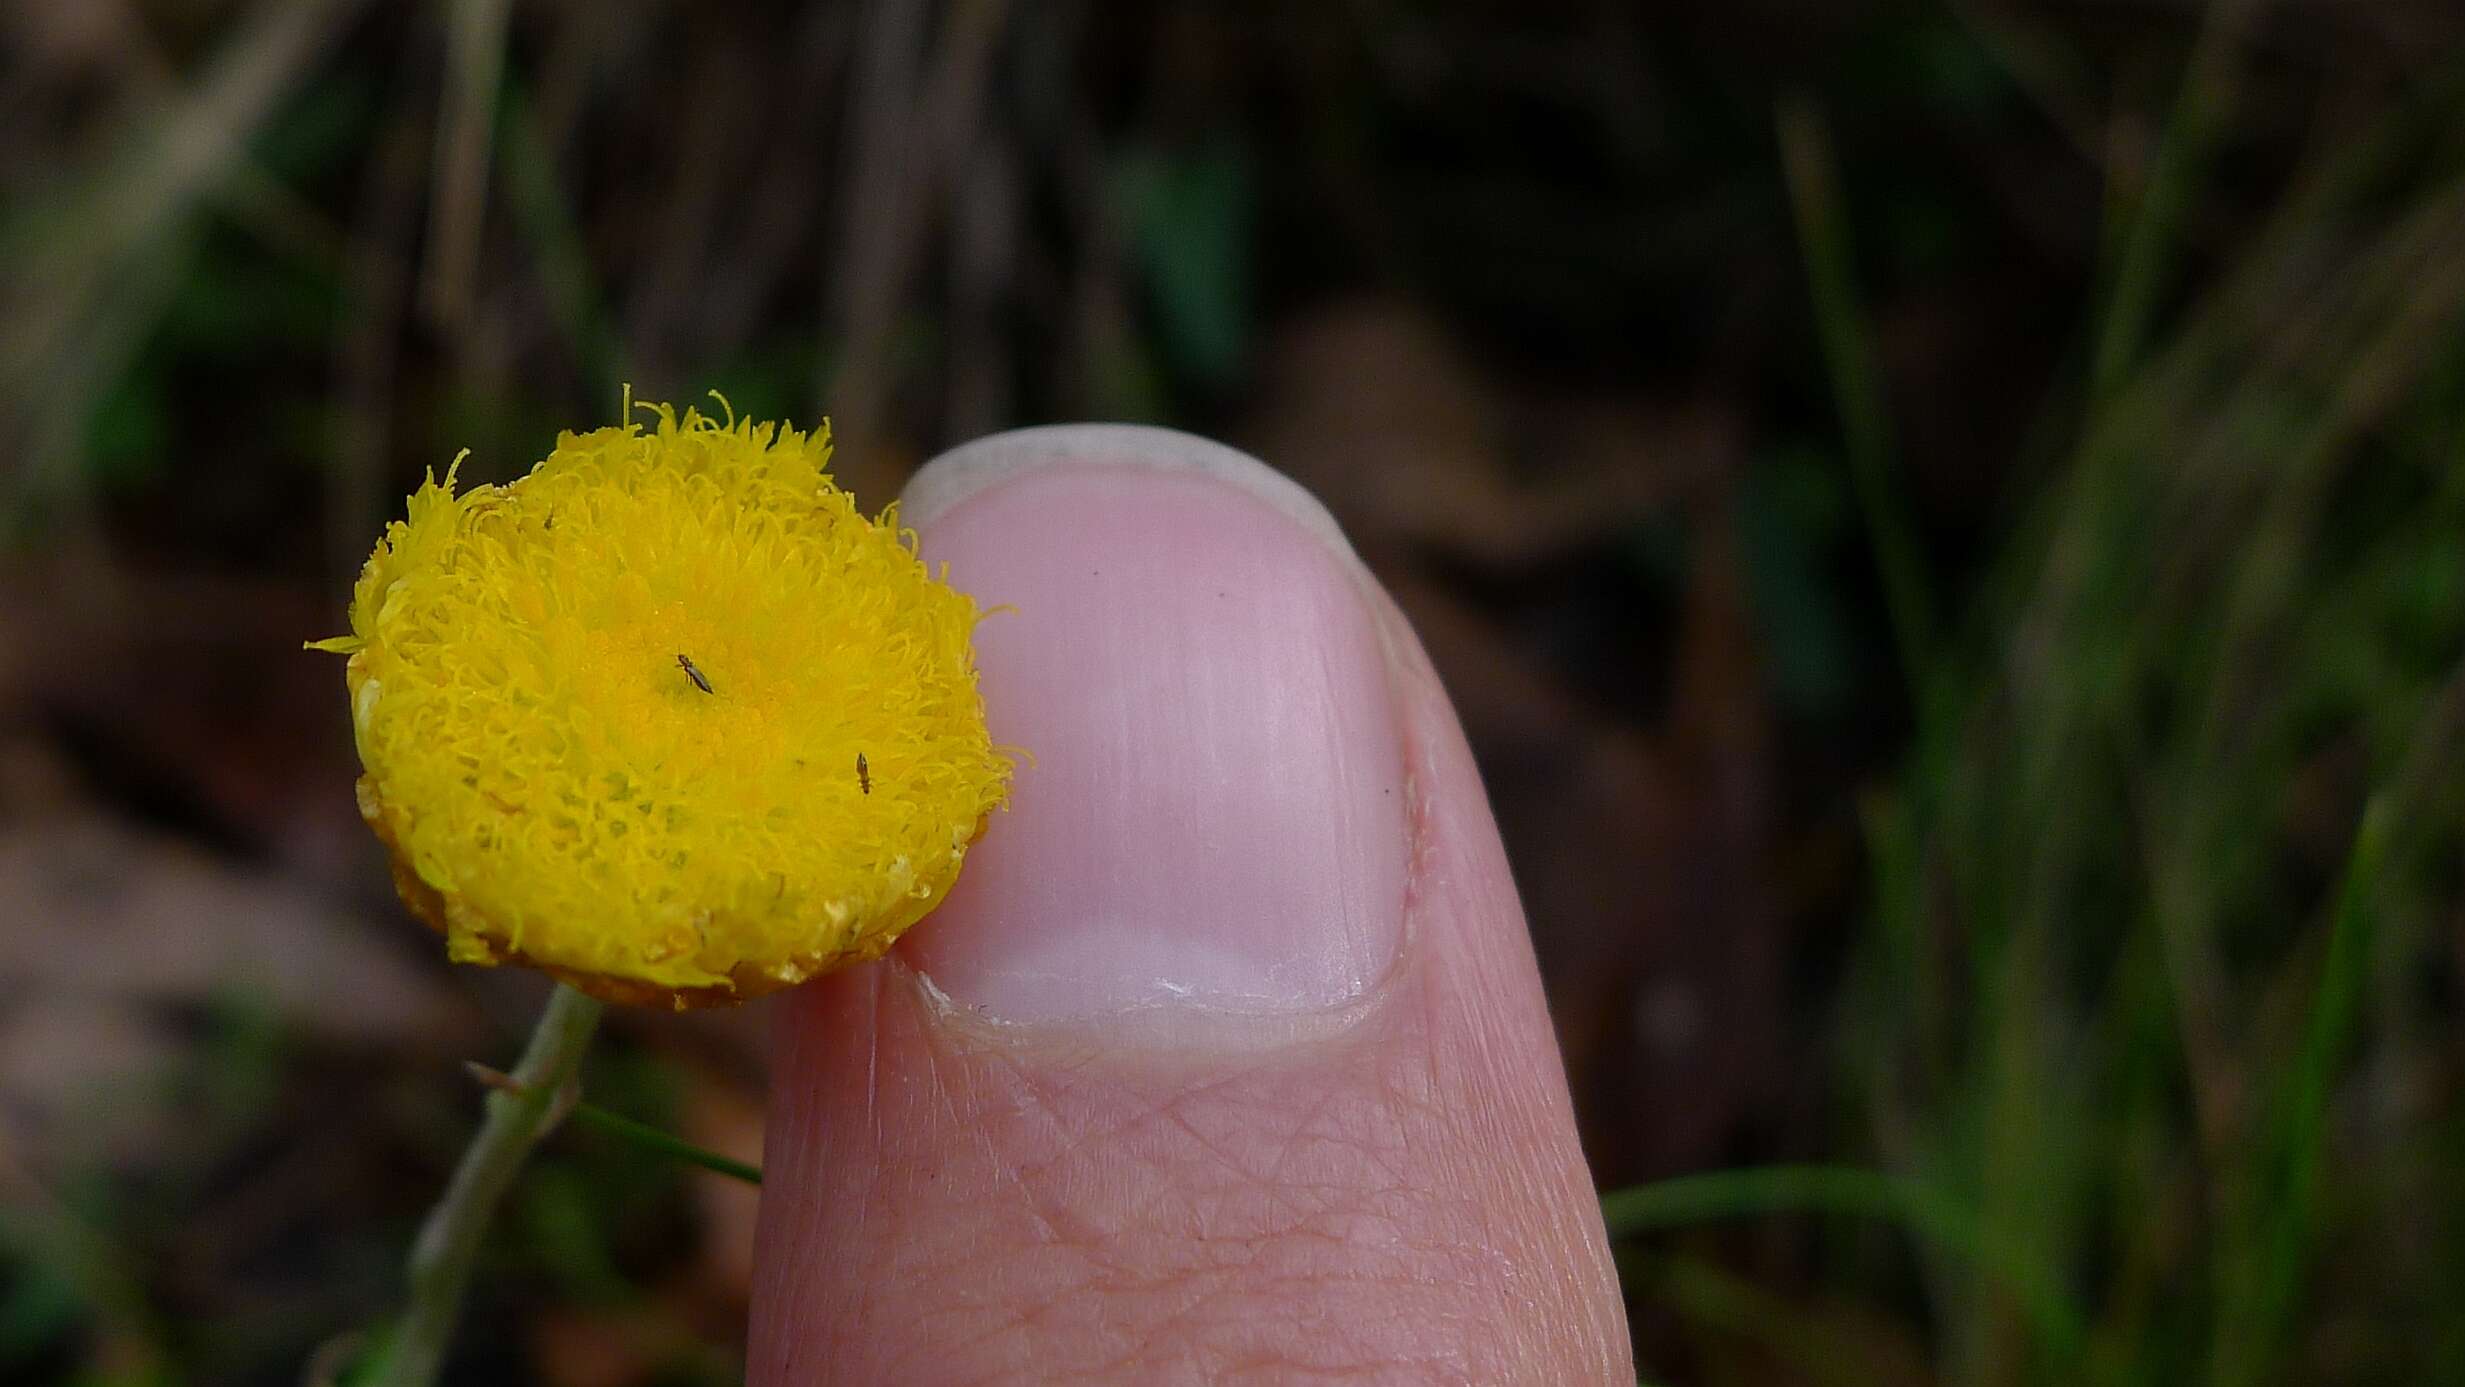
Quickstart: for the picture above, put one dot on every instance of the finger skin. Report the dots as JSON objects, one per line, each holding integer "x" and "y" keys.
{"x": 1390, "y": 1192}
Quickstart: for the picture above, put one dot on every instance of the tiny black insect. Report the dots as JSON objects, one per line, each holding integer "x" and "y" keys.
{"x": 864, "y": 774}
{"x": 694, "y": 674}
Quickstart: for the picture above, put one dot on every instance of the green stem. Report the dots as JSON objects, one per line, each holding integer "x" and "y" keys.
{"x": 448, "y": 1243}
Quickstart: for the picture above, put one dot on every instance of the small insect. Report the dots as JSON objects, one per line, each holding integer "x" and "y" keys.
{"x": 864, "y": 774}
{"x": 693, "y": 674}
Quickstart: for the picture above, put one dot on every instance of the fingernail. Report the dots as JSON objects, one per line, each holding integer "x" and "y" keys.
{"x": 1213, "y": 815}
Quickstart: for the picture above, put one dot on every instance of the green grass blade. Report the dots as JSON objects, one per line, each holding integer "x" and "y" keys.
{"x": 1921, "y": 1209}
{"x": 1823, "y": 237}
{"x": 2198, "y": 119}
{"x": 650, "y": 1138}
{"x": 2262, "y": 1281}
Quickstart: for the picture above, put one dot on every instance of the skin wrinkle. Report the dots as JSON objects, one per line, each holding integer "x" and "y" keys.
{"x": 1229, "y": 1319}
{"x": 1231, "y": 1164}
{"x": 1310, "y": 1135}
{"x": 1049, "y": 1212}
{"x": 1241, "y": 1358}
{"x": 1073, "y": 1146}
{"x": 1102, "y": 1138}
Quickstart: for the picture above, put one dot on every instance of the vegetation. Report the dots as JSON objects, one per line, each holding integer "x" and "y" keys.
{"x": 1980, "y": 485}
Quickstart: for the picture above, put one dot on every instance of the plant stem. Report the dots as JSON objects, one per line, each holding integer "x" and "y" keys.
{"x": 448, "y": 1243}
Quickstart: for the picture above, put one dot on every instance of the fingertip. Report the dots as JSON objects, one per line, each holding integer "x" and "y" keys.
{"x": 1228, "y": 1048}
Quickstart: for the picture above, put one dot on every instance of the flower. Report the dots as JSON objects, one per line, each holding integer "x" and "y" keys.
{"x": 668, "y": 717}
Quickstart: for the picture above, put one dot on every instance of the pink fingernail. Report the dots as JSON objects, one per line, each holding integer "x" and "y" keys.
{"x": 1214, "y": 813}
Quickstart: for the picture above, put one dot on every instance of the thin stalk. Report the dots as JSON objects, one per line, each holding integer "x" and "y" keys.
{"x": 448, "y": 1243}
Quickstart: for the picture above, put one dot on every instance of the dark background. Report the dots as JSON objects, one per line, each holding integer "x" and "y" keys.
{"x": 1944, "y": 520}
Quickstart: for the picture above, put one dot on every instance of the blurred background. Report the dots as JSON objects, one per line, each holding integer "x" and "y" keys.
{"x": 1945, "y": 521}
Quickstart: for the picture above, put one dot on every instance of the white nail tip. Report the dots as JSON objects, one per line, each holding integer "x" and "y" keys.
{"x": 974, "y": 467}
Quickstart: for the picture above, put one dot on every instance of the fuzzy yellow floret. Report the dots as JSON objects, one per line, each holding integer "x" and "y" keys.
{"x": 611, "y": 714}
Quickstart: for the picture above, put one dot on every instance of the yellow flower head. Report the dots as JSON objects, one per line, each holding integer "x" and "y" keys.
{"x": 667, "y": 717}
